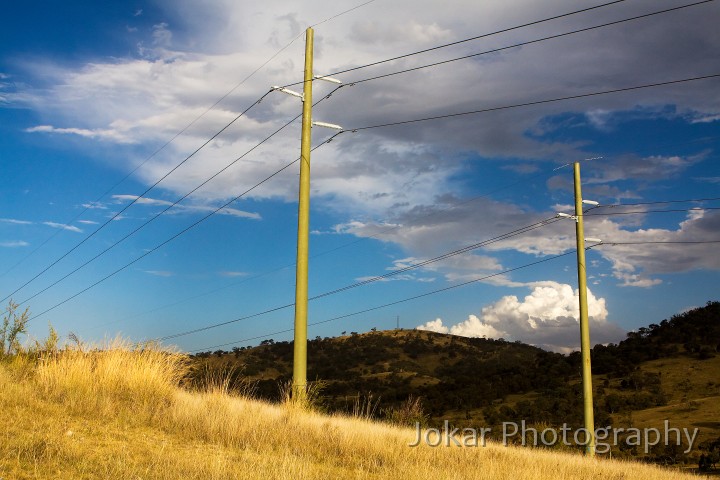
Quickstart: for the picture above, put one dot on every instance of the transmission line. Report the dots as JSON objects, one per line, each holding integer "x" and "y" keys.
{"x": 416, "y": 265}
{"x": 661, "y": 202}
{"x": 652, "y": 242}
{"x": 113, "y": 245}
{"x": 638, "y": 212}
{"x": 111, "y": 219}
{"x": 354, "y": 242}
{"x": 536, "y": 22}
{"x": 521, "y": 44}
{"x": 174, "y": 137}
{"x": 373, "y": 279}
{"x": 177, "y": 234}
{"x": 408, "y": 299}
{"x": 538, "y": 102}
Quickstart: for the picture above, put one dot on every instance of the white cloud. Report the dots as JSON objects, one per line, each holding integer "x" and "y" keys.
{"x": 15, "y": 222}
{"x": 183, "y": 208}
{"x": 396, "y": 173}
{"x": 229, "y": 273}
{"x": 402, "y": 277}
{"x": 88, "y": 222}
{"x": 63, "y": 226}
{"x": 434, "y": 326}
{"x": 102, "y": 134}
{"x": 14, "y": 244}
{"x": 548, "y": 318}
{"x": 147, "y": 100}
{"x": 159, "y": 273}
{"x": 94, "y": 206}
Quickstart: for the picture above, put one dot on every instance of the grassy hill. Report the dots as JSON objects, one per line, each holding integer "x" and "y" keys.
{"x": 666, "y": 371}
{"x": 120, "y": 413}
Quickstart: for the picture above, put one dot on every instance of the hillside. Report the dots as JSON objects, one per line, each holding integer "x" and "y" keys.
{"x": 667, "y": 371}
{"x": 119, "y": 413}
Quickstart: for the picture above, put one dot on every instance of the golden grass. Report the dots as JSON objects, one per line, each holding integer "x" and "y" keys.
{"x": 118, "y": 413}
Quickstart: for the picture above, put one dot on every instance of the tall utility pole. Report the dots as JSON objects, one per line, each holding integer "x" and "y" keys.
{"x": 301, "y": 272}
{"x": 584, "y": 326}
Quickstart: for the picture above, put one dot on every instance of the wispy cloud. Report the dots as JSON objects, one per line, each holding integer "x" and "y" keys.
{"x": 159, "y": 273}
{"x": 63, "y": 226}
{"x": 94, "y": 206}
{"x": 99, "y": 133}
{"x": 14, "y": 244}
{"x": 180, "y": 208}
{"x": 15, "y": 222}
{"x": 403, "y": 277}
{"x": 232, "y": 274}
{"x": 87, "y": 222}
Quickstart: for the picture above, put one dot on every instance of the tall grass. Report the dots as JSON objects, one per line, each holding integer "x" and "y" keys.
{"x": 111, "y": 375}
{"x": 118, "y": 412}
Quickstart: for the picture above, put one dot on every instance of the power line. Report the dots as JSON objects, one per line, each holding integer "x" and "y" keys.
{"x": 638, "y": 212}
{"x": 649, "y": 242}
{"x": 539, "y": 102}
{"x": 373, "y": 279}
{"x": 177, "y": 234}
{"x": 443, "y": 290}
{"x": 174, "y": 137}
{"x": 390, "y": 230}
{"x": 110, "y": 220}
{"x": 153, "y": 155}
{"x": 536, "y": 22}
{"x": 529, "y": 42}
{"x": 689, "y": 200}
{"x": 384, "y": 232}
{"x": 113, "y": 245}
{"x": 545, "y": 222}
{"x": 341, "y": 14}
{"x": 408, "y": 299}
{"x": 443, "y": 256}
{"x": 163, "y": 147}
{"x": 385, "y": 125}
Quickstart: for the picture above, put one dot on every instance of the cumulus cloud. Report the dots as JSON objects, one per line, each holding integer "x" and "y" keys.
{"x": 548, "y": 317}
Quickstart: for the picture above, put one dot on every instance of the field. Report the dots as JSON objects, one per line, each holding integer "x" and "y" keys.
{"x": 116, "y": 412}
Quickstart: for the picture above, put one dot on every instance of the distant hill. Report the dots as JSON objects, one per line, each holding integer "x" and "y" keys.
{"x": 657, "y": 371}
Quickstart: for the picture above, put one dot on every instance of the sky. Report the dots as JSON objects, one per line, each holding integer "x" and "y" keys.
{"x": 112, "y": 112}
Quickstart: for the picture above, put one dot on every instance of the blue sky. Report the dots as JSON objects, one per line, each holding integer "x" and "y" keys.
{"x": 89, "y": 93}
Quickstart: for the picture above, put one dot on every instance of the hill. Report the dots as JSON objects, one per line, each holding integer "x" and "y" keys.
{"x": 666, "y": 371}
{"x": 115, "y": 412}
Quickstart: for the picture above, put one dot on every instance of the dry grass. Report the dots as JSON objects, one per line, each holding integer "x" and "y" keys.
{"x": 118, "y": 413}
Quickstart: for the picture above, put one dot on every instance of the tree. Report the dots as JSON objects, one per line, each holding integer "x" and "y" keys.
{"x": 13, "y": 325}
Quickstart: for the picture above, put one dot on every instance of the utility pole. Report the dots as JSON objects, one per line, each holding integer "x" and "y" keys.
{"x": 301, "y": 272}
{"x": 584, "y": 326}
